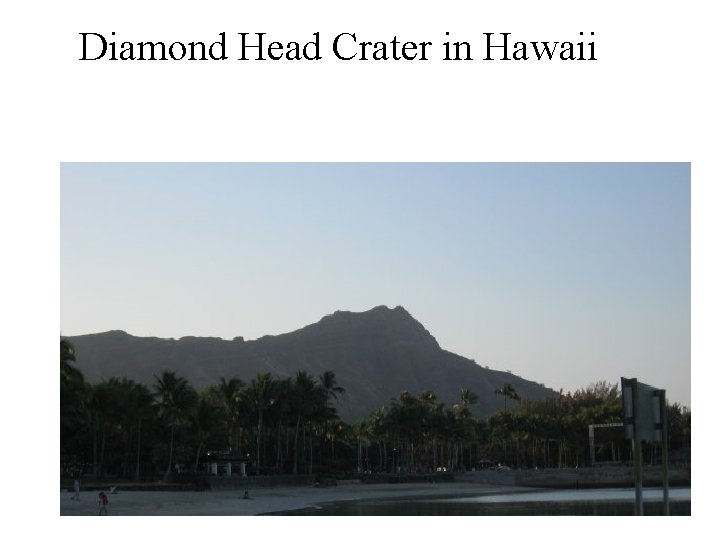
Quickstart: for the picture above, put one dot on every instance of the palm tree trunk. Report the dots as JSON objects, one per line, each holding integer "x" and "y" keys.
{"x": 278, "y": 460}
{"x": 322, "y": 445}
{"x": 137, "y": 458}
{"x": 434, "y": 449}
{"x": 170, "y": 453}
{"x": 287, "y": 442}
{"x": 127, "y": 443}
{"x": 197, "y": 456}
{"x": 239, "y": 436}
{"x": 297, "y": 432}
{"x": 559, "y": 453}
{"x": 304, "y": 454}
{"x": 95, "y": 449}
{"x": 259, "y": 433}
{"x": 102, "y": 451}
{"x": 311, "y": 452}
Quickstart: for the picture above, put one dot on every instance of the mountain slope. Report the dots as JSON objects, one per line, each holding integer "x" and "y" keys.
{"x": 375, "y": 355}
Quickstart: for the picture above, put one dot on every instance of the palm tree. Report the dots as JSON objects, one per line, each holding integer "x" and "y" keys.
{"x": 361, "y": 431}
{"x": 74, "y": 397}
{"x": 378, "y": 432}
{"x": 106, "y": 406}
{"x": 508, "y": 392}
{"x": 331, "y": 391}
{"x": 142, "y": 407}
{"x": 230, "y": 397}
{"x": 203, "y": 421}
{"x": 306, "y": 398}
{"x": 260, "y": 396}
{"x": 433, "y": 419}
{"x": 128, "y": 396}
{"x": 328, "y": 382}
{"x": 334, "y": 429}
{"x": 405, "y": 422}
{"x": 467, "y": 397}
{"x": 67, "y": 355}
{"x": 174, "y": 397}
{"x": 464, "y": 420}
{"x": 281, "y": 409}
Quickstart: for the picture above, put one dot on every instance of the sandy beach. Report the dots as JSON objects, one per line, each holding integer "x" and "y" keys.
{"x": 262, "y": 500}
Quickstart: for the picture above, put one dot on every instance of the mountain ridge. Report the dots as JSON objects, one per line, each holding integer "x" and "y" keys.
{"x": 375, "y": 355}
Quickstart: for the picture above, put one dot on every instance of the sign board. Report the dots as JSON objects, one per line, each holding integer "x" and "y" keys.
{"x": 644, "y": 419}
{"x": 642, "y": 410}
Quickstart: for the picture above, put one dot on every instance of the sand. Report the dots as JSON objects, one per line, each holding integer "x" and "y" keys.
{"x": 262, "y": 500}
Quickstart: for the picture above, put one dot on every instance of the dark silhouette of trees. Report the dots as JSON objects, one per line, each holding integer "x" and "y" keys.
{"x": 305, "y": 398}
{"x": 74, "y": 396}
{"x": 230, "y": 398}
{"x": 175, "y": 399}
{"x": 124, "y": 429}
{"x": 259, "y": 397}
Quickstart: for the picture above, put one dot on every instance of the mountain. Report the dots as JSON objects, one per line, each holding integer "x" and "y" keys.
{"x": 375, "y": 355}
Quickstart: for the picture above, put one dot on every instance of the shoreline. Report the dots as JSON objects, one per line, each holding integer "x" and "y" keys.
{"x": 266, "y": 500}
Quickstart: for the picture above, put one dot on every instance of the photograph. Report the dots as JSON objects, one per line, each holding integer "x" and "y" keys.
{"x": 375, "y": 338}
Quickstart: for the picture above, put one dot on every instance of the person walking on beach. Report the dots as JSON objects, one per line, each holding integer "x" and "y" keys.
{"x": 102, "y": 504}
{"x": 76, "y": 489}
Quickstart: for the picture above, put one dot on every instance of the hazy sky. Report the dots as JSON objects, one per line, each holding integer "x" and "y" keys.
{"x": 564, "y": 274}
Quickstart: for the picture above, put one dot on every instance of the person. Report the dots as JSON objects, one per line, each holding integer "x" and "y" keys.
{"x": 102, "y": 503}
{"x": 246, "y": 495}
{"x": 76, "y": 489}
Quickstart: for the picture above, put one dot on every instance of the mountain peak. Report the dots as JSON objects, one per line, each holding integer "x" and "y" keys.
{"x": 380, "y": 322}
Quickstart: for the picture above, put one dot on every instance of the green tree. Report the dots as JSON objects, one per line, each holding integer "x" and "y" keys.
{"x": 74, "y": 397}
{"x": 361, "y": 432}
{"x": 131, "y": 403}
{"x": 334, "y": 429}
{"x": 175, "y": 398}
{"x": 280, "y": 412}
{"x": 508, "y": 392}
{"x": 464, "y": 423}
{"x": 107, "y": 409}
{"x": 307, "y": 396}
{"x": 331, "y": 391}
{"x": 231, "y": 399}
{"x": 433, "y": 422}
{"x": 378, "y": 433}
{"x": 203, "y": 422}
{"x": 141, "y": 408}
{"x": 467, "y": 398}
{"x": 329, "y": 385}
{"x": 260, "y": 395}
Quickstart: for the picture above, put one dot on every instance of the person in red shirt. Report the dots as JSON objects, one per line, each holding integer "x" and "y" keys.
{"x": 102, "y": 503}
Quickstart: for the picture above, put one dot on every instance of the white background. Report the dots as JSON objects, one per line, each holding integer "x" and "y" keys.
{"x": 650, "y": 96}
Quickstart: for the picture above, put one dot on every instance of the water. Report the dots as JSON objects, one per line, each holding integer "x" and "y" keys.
{"x": 595, "y": 502}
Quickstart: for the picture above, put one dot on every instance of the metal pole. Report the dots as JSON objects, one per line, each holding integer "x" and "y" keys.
{"x": 666, "y": 482}
{"x": 637, "y": 450}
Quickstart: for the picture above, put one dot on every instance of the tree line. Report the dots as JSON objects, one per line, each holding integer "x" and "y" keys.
{"x": 420, "y": 433}
{"x": 124, "y": 429}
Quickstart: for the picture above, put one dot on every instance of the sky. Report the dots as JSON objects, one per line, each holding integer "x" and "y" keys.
{"x": 564, "y": 274}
